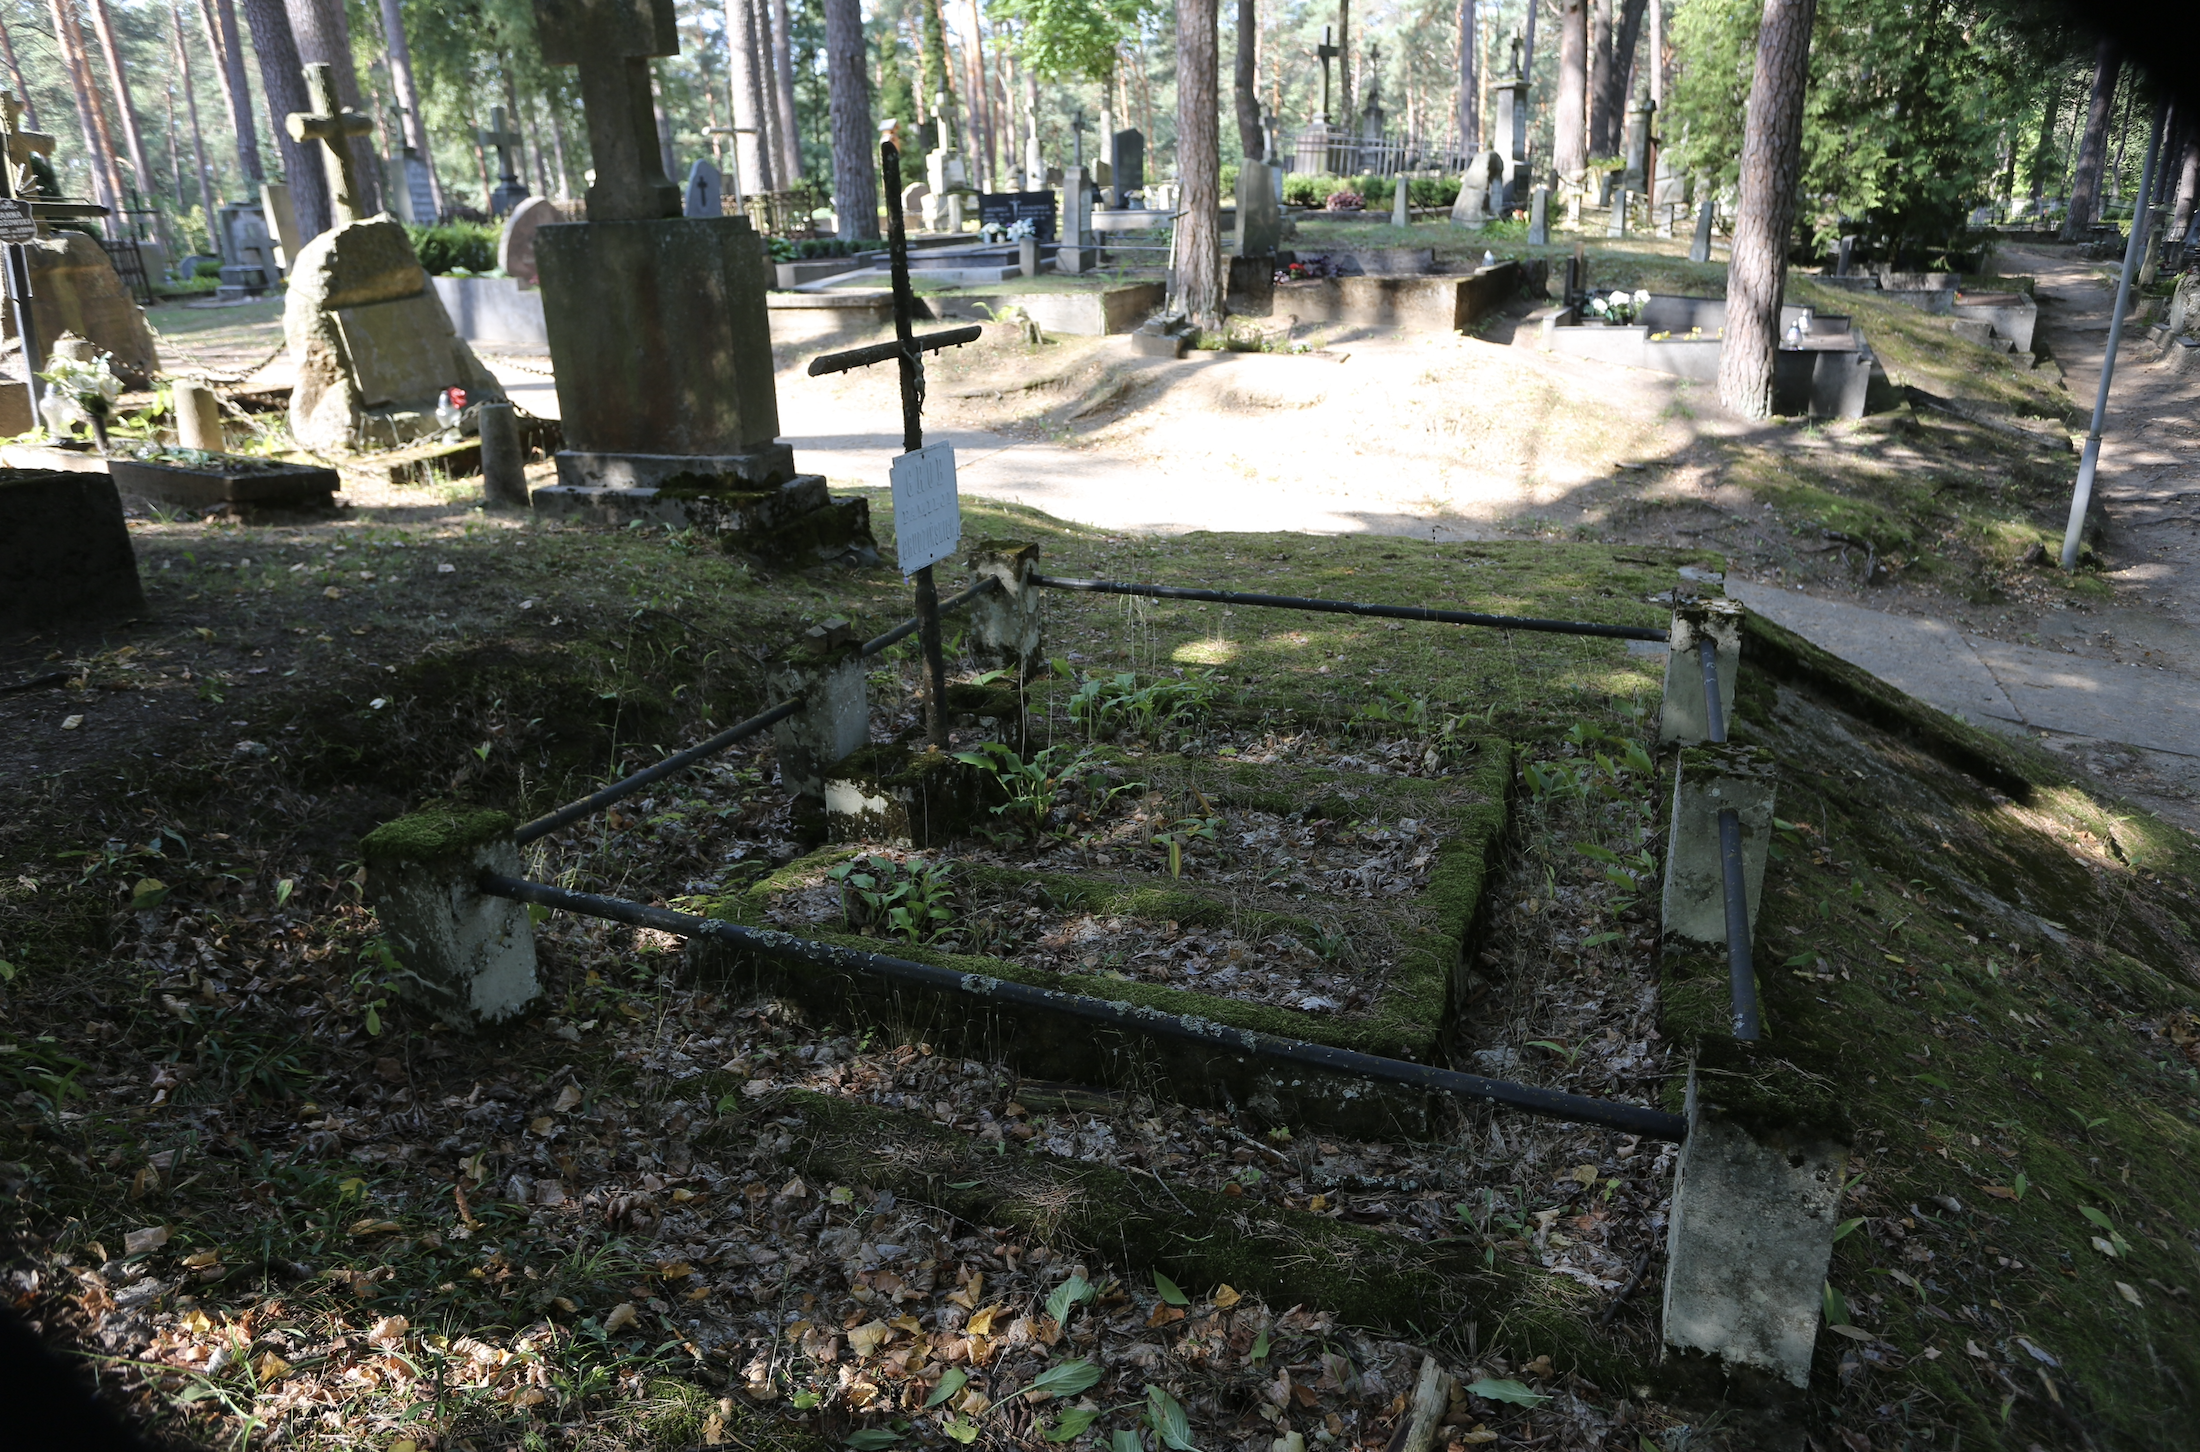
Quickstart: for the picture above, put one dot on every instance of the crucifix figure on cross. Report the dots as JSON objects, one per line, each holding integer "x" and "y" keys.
{"x": 333, "y": 126}
{"x": 611, "y": 42}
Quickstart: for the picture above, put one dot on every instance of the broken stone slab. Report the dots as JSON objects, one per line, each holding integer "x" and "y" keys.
{"x": 1708, "y": 780}
{"x": 1756, "y": 1200}
{"x": 1682, "y": 718}
{"x": 825, "y": 669}
{"x": 75, "y": 289}
{"x": 240, "y": 479}
{"x": 372, "y": 344}
{"x": 468, "y": 956}
{"x": 722, "y": 505}
{"x": 66, "y": 553}
{"x": 906, "y": 797}
{"x": 1007, "y": 626}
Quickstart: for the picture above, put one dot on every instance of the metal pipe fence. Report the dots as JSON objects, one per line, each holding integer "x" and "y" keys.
{"x": 1353, "y": 607}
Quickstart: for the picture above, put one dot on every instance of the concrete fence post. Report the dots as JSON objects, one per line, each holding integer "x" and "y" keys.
{"x": 503, "y": 456}
{"x": 1694, "y": 620}
{"x": 468, "y": 956}
{"x": 825, "y": 669}
{"x": 198, "y": 416}
{"x": 1706, "y": 781}
{"x": 1008, "y": 626}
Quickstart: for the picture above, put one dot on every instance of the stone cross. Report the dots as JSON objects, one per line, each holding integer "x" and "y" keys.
{"x": 332, "y": 126}
{"x": 1327, "y": 53}
{"x": 611, "y": 42}
{"x": 503, "y": 141}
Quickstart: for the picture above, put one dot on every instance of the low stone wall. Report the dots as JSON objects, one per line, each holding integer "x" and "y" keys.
{"x": 1441, "y": 303}
{"x": 2010, "y": 314}
{"x": 823, "y": 317}
{"x": 1096, "y": 314}
{"x": 1820, "y": 381}
{"x": 493, "y": 310}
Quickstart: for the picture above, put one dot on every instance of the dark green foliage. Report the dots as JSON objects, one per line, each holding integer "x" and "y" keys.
{"x": 456, "y": 247}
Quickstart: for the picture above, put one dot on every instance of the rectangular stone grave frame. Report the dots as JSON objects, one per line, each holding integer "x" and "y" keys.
{"x": 1414, "y": 1018}
{"x": 65, "y": 553}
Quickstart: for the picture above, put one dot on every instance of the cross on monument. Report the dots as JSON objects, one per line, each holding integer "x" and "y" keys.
{"x": 332, "y": 126}
{"x": 502, "y": 141}
{"x": 909, "y": 350}
{"x": 1327, "y": 53}
{"x": 611, "y": 42}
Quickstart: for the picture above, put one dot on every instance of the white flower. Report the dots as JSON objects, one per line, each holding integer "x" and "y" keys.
{"x": 1598, "y": 306}
{"x": 1619, "y": 299}
{"x": 1642, "y": 295}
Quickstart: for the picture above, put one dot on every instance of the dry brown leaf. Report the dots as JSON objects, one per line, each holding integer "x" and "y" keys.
{"x": 1163, "y": 1314}
{"x": 866, "y": 1339}
{"x": 1225, "y": 1298}
{"x": 981, "y": 1322}
{"x": 144, "y": 1242}
{"x": 622, "y": 1315}
{"x": 569, "y": 1096}
{"x": 388, "y": 1330}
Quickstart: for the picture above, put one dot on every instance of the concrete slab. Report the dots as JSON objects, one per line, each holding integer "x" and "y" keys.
{"x": 1931, "y": 661}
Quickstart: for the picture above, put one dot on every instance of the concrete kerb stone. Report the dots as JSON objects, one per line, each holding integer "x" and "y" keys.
{"x": 825, "y": 669}
{"x": 1682, "y": 719}
{"x": 1706, "y": 781}
{"x": 1007, "y": 627}
{"x": 468, "y": 956}
{"x": 1749, "y": 1238}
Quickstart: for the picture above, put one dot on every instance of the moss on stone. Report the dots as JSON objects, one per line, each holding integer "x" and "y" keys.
{"x": 435, "y": 834}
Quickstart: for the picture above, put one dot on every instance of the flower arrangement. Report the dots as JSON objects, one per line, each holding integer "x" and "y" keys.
{"x": 1619, "y": 308}
{"x": 1021, "y": 228}
{"x": 80, "y": 392}
{"x": 1344, "y": 202}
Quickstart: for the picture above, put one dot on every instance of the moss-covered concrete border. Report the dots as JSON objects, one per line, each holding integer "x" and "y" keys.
{"x": 435, "y": 834}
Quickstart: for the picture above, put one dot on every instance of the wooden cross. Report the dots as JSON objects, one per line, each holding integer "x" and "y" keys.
{"x": 611, "y": 42}
{"x": 502, "y": 141}
{"x": 333, "y": 126}
{"x": 908, "y": 349}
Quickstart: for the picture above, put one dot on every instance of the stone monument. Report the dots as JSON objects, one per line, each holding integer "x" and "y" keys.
{"x": 1483, "y": 172}
{"x": 66, "y": 553}
{"x": 1640, "y": 116}
{"x": 516, "y": 244}
{"x": 1130, "y": 165}
{"x": 1700, "y": 249}
{"x": 411, "y": 193}
{"x": 373, "y": 348}
{"x": 945, "y": 175}
{"x": 281, "y": 221}
{"x": 510, "y": 190}
{"x": 1259, "y": 210}
{"x": 704, "y": 196}
{"x": 1539, "y": 217}
{"x": 658, "y": 332}
{"x": 75, "y": 289}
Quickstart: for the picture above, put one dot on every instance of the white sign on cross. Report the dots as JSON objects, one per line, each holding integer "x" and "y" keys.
{"x": 927, "y": 511}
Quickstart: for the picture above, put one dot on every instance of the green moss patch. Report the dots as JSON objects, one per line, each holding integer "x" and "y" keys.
{"x": 435, "y": 834}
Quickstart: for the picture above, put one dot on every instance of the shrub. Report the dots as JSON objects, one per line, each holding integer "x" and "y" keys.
{"x": 805, "y": 249}
{"x": 456, "y": 247}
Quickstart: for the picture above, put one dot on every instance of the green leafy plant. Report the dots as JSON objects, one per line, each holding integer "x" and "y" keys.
{"x": 1118, "y": 705}
{"x": 1031, "y": 787}
{"x": 908, "y": 899}
{"x": 456, "y": 247}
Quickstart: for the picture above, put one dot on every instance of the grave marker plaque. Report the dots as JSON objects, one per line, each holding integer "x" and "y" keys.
{"x": 1130, "y": 164}
{"x": 927, "y": 509}
{"x": 705, "y": 197}
{"x": 1004, "y": 209}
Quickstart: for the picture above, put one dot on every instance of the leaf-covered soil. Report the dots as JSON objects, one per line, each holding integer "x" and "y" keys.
{"x": 260, "y": 1192}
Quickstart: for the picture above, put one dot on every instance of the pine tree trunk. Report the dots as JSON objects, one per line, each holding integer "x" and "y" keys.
{"x": 790, "y": 121}
{"x": 323, "y": 33}
{"x": 1470, "y": 95}
{"x": 75, "y": 75}
{"x": 751, "y": 159}
{"x": 1198, "y": 163}
{"x": 2085, "y": 181}
{"x": 1251, "y": 141}
{"x": 198, "y": 139}
{"x": 103, "y": 26}
{"x": 2050, "y": 113}
{"x": 936, "y": 75}
{"x": 1345, "y": 100}
{"x": 412, "y": 127}
{"x": 1600, "y": 78}
{"x": 2188, "y": 185}
{"x": 1772, "y": 163}
{"x": 22, "y": 90}
{"x": 283, "y": 84}
{"x": 226, "y": 42}
{"x": 1619, "y": 79}
{"x": 1569, "y": 104}
{"x": 855, "y": 139}
{"x": 99, "y": 141}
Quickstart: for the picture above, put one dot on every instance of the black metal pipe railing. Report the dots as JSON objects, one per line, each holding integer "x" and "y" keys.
{"x": 1529, "y": 1098}
{"x": 1714, "y": 706}
{"x": 595, "y": 802}
{"x": 1354, "y": 607}
{"x": 1741, "y": 969}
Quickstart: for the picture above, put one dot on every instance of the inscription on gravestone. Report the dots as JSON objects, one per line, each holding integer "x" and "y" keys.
{"x": 419, "y": 191}
{"x": 1004, "y": 209}
{"x": 1130, "y": 163}
{"x": 927, "y": 512}
{"x": 704, "y": 197}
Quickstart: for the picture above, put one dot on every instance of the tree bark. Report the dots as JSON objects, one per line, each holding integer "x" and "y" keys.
{"x": 981, "y": 104}
{"x": 22, "y": 88}
{"x": 1470, "y": 94}
{"x": 323, "y": 33}
{"x": 1600, "y": 78}
{"x": 2188, "y": 185}
{"x": 1626, "y": 37}
{"x": 1251, "y": 141}
{"x": 227, "y": 46}
{"x": 2050, "y": 113}
{"x": 410, "y": 125}
{"x": 751, "y": 156}
{"x": 99, "y": 143}
{"x": 283, "y": 84}
{"x": 855, "y": 140}
{"x": 1346, "y": 101}
{"x": 103, "y": 26}
{"x": 790, "y": 122}
{"x": 198, "y": 140}
{"x": 934, "y": 73}
{"x": 2085, "y": 181}
{"x": 1569, "y": 114}
{"x": 1771, "y": 165}
{"x": 1198, "y": 163}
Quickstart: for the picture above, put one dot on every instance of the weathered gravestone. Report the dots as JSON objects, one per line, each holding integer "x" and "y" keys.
{"x": 912, "y": 205}
{"x": 1472, "y": 207}
{"x": 280, "y": 218}
{"x": 704, "y": 197}
{"x": 75, "y": 289}
{"x": 658, "y": 331}
{"x": 1539, "y": 217}
{"x": 1130, "y": 165}
{"x": 1259, "y": 215}
{"x": 510, "y": 190}
{"x": 372, "y": 344}
{"x": 249, "y": 266}
{"x": 412, "y": 195}
{"x": 1700, "y": 249}
{"x": 1401, "y": 199}
{"x": 516, "y": 245}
